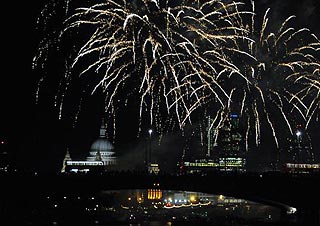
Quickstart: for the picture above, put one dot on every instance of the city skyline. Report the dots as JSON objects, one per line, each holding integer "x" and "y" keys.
{"x": 36, "y": 133}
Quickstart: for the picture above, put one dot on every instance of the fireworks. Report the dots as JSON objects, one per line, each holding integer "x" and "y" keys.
{"x": 274, "y": 75}
{"x": 186, "y": 58}
{"x": 156, "y": 50}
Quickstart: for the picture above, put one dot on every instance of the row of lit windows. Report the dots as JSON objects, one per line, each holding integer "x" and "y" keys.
{"x": 220, "y": 164}
{"x": 201, "y": 164}
{"x": 102, "y": 153}
{"x": 313, "y": 166}
{"x": 232, "y": 164}
{"x": 231, "y": 159}
{"x": 154, "y": 194}
{"x": 84, "y": 163}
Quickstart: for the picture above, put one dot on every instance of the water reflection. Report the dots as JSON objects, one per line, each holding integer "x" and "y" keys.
{"x": 180, "y": 206}
{"x": 144, "y": 207}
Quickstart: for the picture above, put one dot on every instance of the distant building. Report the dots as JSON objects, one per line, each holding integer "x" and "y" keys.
{"x": 153, "y": 168}
{"x": 154, "y": 194}
{"x": 226, "y": 153}
{"x": 101, "y": 157}
{"x": 81, "y": 166}
{"x": 300, "y": 149}
{"x": 300, "y": 157}
{"x": 102, "y": 150}
{"x": 198, "y": 166}
{"x": 301, "y": 167}
{"x": 151, "y": 165}
{"x": 230, "y": 151}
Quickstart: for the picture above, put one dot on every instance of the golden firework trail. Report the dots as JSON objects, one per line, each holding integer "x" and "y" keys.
{"x": 128, "y": 43}
{"x": 185, "y": 60}
{"x": 281, "y": 71}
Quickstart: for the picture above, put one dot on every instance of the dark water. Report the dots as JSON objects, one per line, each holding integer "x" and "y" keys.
{"x": 148, "y": 207}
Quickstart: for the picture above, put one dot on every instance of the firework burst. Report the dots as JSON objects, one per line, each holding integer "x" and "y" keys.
{"x": 156, "y": 50}
{"x": 175, "y": 60}
{"x": 274, "y": 75}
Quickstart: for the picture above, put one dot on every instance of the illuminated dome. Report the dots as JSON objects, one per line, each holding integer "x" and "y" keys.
{"x": 102, "y": 149}
{"x": 102, "y": 145}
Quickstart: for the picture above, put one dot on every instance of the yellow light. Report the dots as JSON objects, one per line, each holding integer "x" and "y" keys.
{"x": 192, "y": 198}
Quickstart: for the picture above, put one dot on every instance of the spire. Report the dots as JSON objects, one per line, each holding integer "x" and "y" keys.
{"x": 67, "y": 157}
{"x": 103, "y": 129}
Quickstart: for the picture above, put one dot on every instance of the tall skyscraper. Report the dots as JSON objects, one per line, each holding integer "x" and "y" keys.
{"x": 224, "y": 149}
{"x": 230, "y": 150}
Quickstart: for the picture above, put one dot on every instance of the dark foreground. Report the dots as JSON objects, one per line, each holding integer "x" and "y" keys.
{"x": 77, "y": 200}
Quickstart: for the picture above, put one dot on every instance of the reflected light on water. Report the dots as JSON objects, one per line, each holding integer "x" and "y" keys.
{"x": 150, "y": 207}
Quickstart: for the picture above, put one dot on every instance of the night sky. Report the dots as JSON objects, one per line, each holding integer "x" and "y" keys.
{"x": 33, "y": 134}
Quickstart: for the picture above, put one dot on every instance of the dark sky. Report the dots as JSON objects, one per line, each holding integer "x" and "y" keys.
{"x": 34, "y": 135}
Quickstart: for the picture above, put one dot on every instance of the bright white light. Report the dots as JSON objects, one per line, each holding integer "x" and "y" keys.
{"x": 298, "y": 133}
{"x": 150, "y": 131}
{"x": 291, "y": 210}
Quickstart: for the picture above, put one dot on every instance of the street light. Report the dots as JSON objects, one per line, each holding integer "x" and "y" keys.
{"x": 149, "y": 156}
{"x": 299, "y": 134}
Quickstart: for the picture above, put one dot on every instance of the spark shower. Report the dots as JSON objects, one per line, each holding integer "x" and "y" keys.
{"x": 184, "y": 60}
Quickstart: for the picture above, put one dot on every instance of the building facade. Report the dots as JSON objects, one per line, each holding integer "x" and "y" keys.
{"x": 101, "y": 157}
{"x": 230, "y": 152}
{"x": 225, "y": 152}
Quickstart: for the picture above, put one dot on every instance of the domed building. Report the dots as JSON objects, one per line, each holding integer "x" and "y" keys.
{"x": 101, "y": 156}
{"x": 102, "y": 148}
